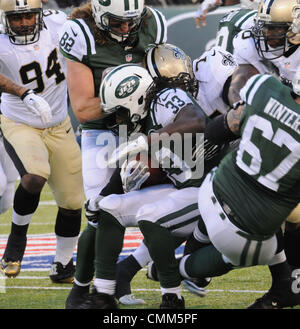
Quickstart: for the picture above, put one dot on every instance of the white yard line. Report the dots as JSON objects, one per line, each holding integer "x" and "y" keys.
{"x": 145, "y": 290}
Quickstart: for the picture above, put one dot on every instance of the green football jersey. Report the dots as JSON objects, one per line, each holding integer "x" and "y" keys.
{"x": 77, "y": 43}
{"x": 261, "y": 180}
{"x": 231, "y": 24}
{"x": 186, "y": 160}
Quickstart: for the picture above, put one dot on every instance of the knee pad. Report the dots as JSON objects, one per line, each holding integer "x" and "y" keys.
{"x": 119, "y": 209}
{"x": 68, "y": 223}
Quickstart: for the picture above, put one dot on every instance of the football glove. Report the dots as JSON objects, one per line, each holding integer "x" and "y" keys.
{"x": 133, "y": 175}
{"x": 128, "y": 150}
{"x": 92, "y": 209}
{"x": 37, "y": 105}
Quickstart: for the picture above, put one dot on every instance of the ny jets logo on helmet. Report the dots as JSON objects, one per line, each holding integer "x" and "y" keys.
{"x": 127, "y": 87}
{"x": 123, "y": 93}
{"x": 105, "y": 2}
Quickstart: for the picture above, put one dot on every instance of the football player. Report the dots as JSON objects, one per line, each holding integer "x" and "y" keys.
{"x": 213, "y": 72}
{"x": 266, "y": 168}
{"x": 171, "y": 109}
{"x": 39, "y": 138}
{"x": 272, "y": 46}
{"x": 8, "y": 171}
{"x": 235, "y": 21}
{"x": 99, "y": 36}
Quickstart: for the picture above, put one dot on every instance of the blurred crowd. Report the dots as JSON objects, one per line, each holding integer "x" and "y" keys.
{"x": 55, "y": 4}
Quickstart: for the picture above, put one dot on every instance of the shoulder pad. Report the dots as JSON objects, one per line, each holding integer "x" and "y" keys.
{"x": 160, "y": 23}
{"x": 249, "y": 91}
{"x": 169, "y": 104}
{"x": 243, "y": 47}
{"x": 53, "y": 16}
{"x": 215, "y": 63}
{"x": 76, "y": 40}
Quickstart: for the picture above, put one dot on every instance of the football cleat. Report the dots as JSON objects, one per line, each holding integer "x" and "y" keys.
{"x": 131, "y": 300}
{"x": 11, "y": 268}
{"x": 196, "y": 286}
{"x": 77, "y": 297}
{"x": 60, "y": 273}
{"x": 277, "y": 298}
{"x": 171, "y": 301}
{"x": 99, "y": 300}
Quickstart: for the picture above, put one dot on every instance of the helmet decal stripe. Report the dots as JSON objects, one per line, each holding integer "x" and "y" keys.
{"x": 268, "y": 6}
{"x": 126, "y": 4}
{"x": 21, "y": 3}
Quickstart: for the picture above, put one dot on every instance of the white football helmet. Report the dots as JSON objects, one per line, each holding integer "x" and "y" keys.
{"x": 123, "y": 93}
{"x": 272, "y": 29}
{"x": 118, "y": 11}
{"x": 23, "y": 34}
{"x": 296, "y": 82}
{"x": 250, "y": 4}
{"x": 168, "y": 63}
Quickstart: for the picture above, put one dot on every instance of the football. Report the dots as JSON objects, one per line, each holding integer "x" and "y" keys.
{"x": 157, "y": 175}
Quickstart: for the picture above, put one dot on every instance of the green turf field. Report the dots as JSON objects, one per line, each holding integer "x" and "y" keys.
{"x": 34, "y": 290}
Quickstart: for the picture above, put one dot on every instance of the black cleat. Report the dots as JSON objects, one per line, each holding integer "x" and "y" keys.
{"x": 277, "y": 298}
{"x": 171, "y": 301}
{"x": 77, "y": 297}
{"x": 62, "y": 273}
{"x": 99, "y": 300}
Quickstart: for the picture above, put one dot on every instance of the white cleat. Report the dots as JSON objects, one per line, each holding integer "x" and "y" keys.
{"x": 131, "y": 300}
{"x": 194, "y": 288}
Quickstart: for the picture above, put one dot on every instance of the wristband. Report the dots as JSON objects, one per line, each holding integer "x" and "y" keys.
{"x": 26, "y": 93}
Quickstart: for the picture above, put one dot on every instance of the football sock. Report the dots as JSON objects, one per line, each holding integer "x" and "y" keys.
{"x": 126, "y": 270}
{"x": 105, "y": 286}
{"x": 25, "y": 205}
{"x": 280, "y": 272}
{"x": 141, "y": 255}
{"x": 109, "y": 244}
{"x": 205, "y": 262}
{"x": 292, "y": 247}
{"x": 84, "y": 271}
{"x": 64, "y": 249}
{"x": 16, "y": 243}
{"x": 174, "y": 290}
{"x": 67, "y": 228}
{"x": 161, "y": 247}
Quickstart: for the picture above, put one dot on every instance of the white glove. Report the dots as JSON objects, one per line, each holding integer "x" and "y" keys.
{"x": 133, "y": 175}
{"x": 37, "y": 105}
{"x": 127, "y": 150}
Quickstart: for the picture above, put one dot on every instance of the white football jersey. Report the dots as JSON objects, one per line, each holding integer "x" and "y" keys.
{"x": 212, "y": 69}
{"x": 168, "y": 105}
{"x": 245, "y": 53}
{"x": 38, "y": 66}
